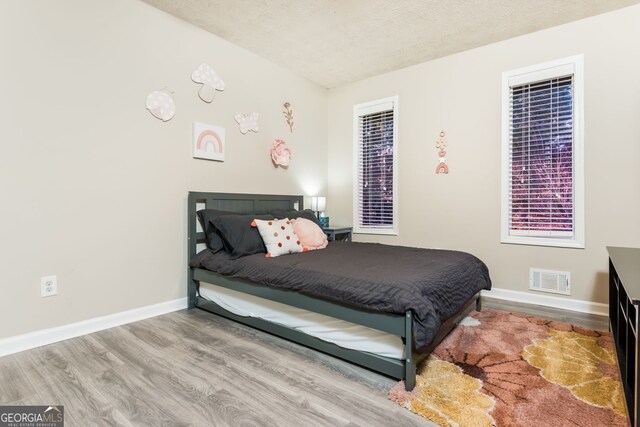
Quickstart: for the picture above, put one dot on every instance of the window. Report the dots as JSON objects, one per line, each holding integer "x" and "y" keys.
{"x": 542, "y": 155}
{"x": 376, "y": 172}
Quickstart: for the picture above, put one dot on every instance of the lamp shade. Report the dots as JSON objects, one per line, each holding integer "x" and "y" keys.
{"x": 318, "y": 204}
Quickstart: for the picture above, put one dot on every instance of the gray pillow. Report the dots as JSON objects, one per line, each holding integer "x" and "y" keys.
{"x": 214, "y": 241}
{"x": 239, "y": 237}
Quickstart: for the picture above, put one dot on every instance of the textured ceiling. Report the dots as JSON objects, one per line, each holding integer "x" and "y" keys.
{"x": 332, "y": 42}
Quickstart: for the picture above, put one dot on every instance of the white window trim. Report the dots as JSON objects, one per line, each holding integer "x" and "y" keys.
{"x": 360, "y": 110}
{"x": 545, "y": 71}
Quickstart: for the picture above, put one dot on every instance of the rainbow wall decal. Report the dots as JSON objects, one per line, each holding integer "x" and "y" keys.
{"x": 208, "y": 142}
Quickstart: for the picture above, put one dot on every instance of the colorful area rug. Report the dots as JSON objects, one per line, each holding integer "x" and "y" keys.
{"x": 505, "y": 369}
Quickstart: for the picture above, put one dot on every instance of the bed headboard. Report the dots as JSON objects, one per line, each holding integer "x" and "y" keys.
{"x": 233, "y": 202}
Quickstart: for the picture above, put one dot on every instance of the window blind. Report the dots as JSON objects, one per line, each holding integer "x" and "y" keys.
{"x": 375, "y": 168}
{"x": 541, "y": 158}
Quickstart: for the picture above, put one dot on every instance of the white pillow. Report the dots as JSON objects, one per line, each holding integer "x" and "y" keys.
{"x": 278, "y": 236}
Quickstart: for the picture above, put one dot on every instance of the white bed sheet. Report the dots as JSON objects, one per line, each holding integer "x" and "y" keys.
{"x": 339, "y": 332}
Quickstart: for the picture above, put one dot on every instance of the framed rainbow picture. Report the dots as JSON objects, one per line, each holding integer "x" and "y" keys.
{"x": 208, "y": 142}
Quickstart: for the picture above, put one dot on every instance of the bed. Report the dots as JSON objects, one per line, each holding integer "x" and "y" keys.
{"x": 403, "y": 333}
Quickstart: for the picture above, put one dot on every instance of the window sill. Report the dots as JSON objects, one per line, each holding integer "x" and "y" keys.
{"x": 541, "y": 241}
{"x": 376, "y": 232}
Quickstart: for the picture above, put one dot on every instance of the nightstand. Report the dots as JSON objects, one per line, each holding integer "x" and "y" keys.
{"x": 338, "y": 233}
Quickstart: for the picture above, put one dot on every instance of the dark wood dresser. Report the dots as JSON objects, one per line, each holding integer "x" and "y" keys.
{"x": 624, "y": 301}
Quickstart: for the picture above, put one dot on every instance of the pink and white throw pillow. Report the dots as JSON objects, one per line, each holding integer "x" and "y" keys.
{"x": 278, "y": 236}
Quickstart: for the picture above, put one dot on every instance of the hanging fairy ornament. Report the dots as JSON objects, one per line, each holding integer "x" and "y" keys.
{"x": 441, "y": 144}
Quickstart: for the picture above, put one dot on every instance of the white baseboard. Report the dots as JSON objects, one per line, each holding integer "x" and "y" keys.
{"x": 549, "y": 301}
{"x": 35, "y": 339}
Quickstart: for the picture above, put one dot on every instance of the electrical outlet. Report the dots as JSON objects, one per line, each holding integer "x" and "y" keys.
{"x": 48, "y": 286}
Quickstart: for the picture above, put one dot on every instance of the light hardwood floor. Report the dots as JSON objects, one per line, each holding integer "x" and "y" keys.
{"x": 195, "y": 368}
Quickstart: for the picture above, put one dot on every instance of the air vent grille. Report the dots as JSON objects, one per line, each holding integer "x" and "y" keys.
{"x": 557, "y": 282}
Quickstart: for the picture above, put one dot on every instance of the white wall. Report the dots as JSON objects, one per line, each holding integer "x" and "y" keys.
{"x": 460, "y": 94}
{"x": 93, "y": 187}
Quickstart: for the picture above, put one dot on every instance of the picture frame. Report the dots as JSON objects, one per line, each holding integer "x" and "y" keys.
{"x": 208, "y": 142}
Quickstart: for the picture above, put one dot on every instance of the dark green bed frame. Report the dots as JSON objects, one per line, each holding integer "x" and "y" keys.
{"x": 397, "y": 324}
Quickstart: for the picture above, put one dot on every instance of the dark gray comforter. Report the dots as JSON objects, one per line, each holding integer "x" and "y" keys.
{"x": 433, "y": 283}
